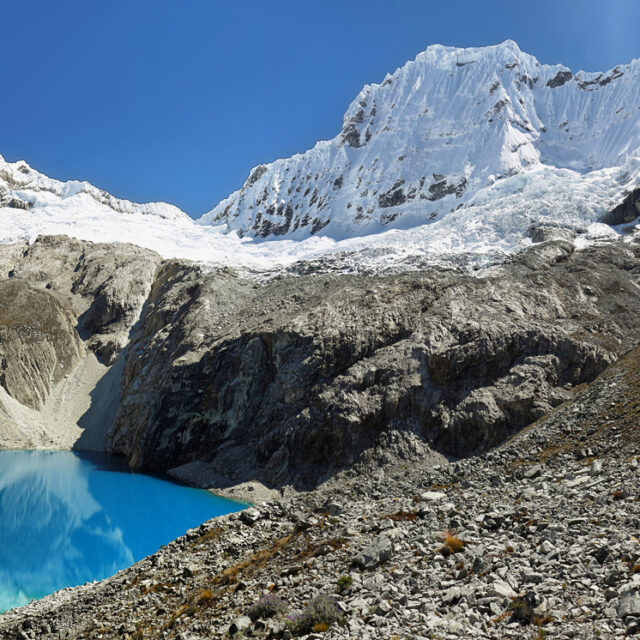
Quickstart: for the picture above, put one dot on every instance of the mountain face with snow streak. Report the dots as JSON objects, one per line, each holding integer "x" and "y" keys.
{"x": 482, "y": 136}
{"x": 22, "y": 187}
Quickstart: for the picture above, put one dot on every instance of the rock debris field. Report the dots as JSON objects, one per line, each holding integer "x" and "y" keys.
{"x": 536, "y": 538}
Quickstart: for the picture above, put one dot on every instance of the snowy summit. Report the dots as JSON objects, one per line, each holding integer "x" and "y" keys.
{"x": 458, "y": 152}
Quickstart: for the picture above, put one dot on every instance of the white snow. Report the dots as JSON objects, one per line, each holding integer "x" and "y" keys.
{"x": 456, "y": 153}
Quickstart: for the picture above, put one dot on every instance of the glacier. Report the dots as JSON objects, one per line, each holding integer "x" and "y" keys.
{"x": 453, "y": 158}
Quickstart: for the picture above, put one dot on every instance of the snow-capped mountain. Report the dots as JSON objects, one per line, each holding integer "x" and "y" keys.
{"x": 24, "y": 187}
{"x": 451, "y": 158}
{"x": 484, "y": 130}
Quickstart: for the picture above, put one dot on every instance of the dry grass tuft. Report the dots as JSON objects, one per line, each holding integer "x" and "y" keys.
{"x": 176, "y": 614}
{"x": 214, "y": 534}
{"x": 403, "y": 516}
{"x": 451, "y": 544}
{"x": 205, "y": 597}
{"x": 256, "y": 561}
{"x": 540, "y": 621}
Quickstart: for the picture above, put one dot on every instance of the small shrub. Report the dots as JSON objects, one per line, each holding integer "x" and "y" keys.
{"x": 521, "y": 609}
{"x": 403, "y": 516}
{"x": 267, "y": 607}
{"x": 344, "y": 582}
{"x": 539, "y": 621}
{"x": 319, "y": 614}
{"x": 184, "y": 609}
{"x": 299, "y": 623}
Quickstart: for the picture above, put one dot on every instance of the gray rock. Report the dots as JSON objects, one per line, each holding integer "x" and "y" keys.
{"x": 432, "y": 496}
{"x": 501, "y": 589}
{"x": 239, "y": 625}
{"x": 533, "y": 472}
{"x": 250, "y": 516}
{"x": 451, "y": 595}
{"x": 629, "y": 604}
{"x": 374, "y": 554}
{"x": 595, "y": 468}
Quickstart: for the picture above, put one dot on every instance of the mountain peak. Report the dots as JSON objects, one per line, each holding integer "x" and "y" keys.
{"x": 446, "y": 132}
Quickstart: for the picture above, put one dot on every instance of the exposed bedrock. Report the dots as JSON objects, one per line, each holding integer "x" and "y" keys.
{"x": 38, "y": 342}
{"x": 60, "y": 299}
{"x": 290, "y": 380}
{"x": 105, "y": 284}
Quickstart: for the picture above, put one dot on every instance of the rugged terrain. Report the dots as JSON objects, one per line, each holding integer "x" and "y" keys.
{"x": 537, "y": 538}
{"x": 221, "y": 379}
{"x": 455, "y": 391}
{"x": 465, "y": 147}
{"x": 469, "y": 438}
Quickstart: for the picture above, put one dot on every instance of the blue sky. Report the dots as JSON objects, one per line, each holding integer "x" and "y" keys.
{"x": 177, "y": 100}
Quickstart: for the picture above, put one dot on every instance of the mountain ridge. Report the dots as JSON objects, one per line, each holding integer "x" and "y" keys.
{"x": 452, "y": 160}
{"x": 379, "y": 171}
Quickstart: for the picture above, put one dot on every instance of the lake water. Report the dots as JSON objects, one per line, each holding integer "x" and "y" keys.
{"x": 68, "y": 518}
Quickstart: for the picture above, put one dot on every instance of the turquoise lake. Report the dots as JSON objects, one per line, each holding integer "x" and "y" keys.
{"x": 69, "y": 518}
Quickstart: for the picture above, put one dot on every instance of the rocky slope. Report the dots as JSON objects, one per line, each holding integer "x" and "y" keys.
{"x": 293, "y": 379}
{"x": 67, "y": 309}
{"x": 37, "y": 343}
{"x": 226, "y": 379}
{"x": 537, "y": 538}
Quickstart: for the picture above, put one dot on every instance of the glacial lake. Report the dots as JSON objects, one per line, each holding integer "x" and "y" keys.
{"x": 68, "y": 518}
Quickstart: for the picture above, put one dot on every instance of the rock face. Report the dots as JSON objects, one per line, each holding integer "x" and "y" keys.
{"x": 38, "y": 342}
{"x": 106, "y": 284}
{"x": 60, "y": 301}
{"x": 290, "y": 380}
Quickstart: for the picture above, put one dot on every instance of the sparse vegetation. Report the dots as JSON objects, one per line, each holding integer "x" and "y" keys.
{"x": 521, "y": 609}
{"x": 403, "y": 516}
{"x": 344, "y": 582}
{"x": 319, "y": 615}
{"x": 257, "y": 560}
{"x": 451, "y": 544}
{"x": 205, "y": 597}
{"x": 268, "y": 606}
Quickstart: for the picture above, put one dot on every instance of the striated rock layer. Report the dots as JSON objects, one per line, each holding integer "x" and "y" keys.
{"x": 226, "y": 379}
{"x": 293, "y": 379}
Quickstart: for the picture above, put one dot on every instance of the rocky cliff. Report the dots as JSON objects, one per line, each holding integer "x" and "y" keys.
{"x": 66, "y": 311}
{"x": 295, "y": 378}
{"x": 225, "y": 379}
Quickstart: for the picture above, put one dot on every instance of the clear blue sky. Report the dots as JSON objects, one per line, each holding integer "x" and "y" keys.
{"x": 177, "y": 100}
